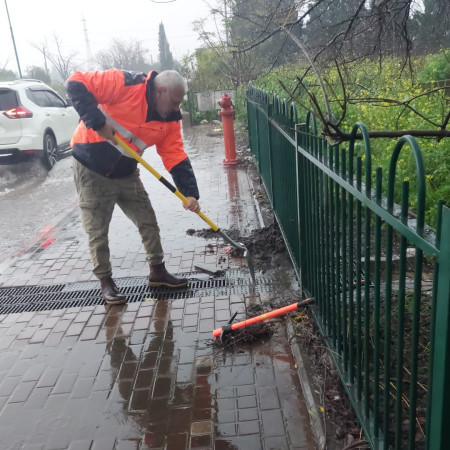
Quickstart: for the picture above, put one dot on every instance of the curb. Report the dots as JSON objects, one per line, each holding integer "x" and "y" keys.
{"x": 257, "y": 209}
{"x": 314, "y": 415}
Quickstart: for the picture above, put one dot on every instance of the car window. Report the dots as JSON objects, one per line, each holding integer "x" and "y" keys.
{"x": 55, "y": 100}
{"x": 8, "y": 99}
{"x": 39, "y": 97}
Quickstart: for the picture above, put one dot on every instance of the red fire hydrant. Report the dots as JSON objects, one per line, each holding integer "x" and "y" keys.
{"x": 227, "y": 112}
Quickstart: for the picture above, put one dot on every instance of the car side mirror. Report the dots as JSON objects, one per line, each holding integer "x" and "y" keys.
{"x": 69, "y": 102}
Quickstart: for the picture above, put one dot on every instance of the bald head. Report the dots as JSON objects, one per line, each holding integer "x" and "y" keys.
{"x": 171, "y": 79}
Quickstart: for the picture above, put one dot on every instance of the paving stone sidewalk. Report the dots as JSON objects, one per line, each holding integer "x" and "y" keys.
{"x": 146, "y": 375}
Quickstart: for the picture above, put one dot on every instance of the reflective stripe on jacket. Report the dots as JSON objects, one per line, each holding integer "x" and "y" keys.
{"x": 126, "y": 98}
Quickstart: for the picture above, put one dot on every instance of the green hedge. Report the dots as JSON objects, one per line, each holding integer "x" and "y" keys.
{"x": 391, "y": 81}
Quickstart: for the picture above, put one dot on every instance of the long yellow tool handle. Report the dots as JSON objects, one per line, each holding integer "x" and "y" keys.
{"x": 166, "y": 183}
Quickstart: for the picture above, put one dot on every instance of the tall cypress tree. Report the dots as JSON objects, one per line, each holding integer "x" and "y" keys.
{"x": 165, "y": 55}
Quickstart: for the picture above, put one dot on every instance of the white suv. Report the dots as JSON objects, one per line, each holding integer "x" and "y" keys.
{"x": 34, "y": 119}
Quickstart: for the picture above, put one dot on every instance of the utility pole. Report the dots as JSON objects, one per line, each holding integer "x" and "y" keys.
{"x": 227, "y": 31}
{"x": 88, "y": 46}
{"x": 14, "y": 42}
{"x": 45, "y": 56}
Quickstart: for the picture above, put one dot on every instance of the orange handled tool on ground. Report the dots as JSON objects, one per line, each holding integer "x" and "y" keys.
{"x": 276, "y": 312}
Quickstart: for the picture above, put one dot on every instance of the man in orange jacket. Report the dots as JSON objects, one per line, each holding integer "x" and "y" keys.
{"x": 145, "y": 110}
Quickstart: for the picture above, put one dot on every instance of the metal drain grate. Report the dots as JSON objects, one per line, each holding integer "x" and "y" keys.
{"x": 59, "y": 296}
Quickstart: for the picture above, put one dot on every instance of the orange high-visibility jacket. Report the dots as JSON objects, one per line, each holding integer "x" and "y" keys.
{"x": 126, "y": 98}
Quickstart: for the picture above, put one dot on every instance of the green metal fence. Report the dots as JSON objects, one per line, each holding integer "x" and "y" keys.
{"x": 380, "y": 276}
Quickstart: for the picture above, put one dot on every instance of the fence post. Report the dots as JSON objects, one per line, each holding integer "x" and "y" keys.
{"x": 270, "y": 109}
{"x": 258, "y": 145}
{"x": 190, "y": 106}
{"x": 439, "y": 416}
{"x": 298, "y": 171}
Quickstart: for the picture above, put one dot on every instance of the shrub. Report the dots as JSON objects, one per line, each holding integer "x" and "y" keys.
{"x": 391, "y": 81}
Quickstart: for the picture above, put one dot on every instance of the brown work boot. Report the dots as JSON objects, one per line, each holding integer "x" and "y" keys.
{"x": 110, "y": 293}
{"x": 160, "y": 277}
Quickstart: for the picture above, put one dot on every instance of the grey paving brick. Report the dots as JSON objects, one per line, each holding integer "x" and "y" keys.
{"x": 22, "y": 392}
{"x": 38, "y": 398}
{"x": 83, "y": 444}
{"x": 82, "y": 388}
{"x": 54, "y": 339}
{"x": 6, "y": 341}
{"x": 89, "y": 333}
{"x": 65, "y": 383}
{"x": 272, "y": 421}
{"x": 75, "y": 329}
{"x": 187, "y": 355}
{"x": 50, "y": 377}
{"x": 8, "y": 385}
{"x": 10, "y": 412}
{"x": 275, "y": 443}
{"x": 39, "y": 336}
{"x": 265, "y": 375}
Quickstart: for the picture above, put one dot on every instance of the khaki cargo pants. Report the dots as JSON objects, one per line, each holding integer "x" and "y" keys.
{"x": 98, "y": 195}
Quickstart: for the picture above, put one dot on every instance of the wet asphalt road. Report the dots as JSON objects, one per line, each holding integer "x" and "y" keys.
{"x": 31, "y": 198}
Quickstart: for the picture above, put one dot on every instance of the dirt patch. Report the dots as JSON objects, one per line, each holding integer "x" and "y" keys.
{"x": 341, "y": 425}
{"x": 266, "y": 245}
{"x": 259, "y": 331}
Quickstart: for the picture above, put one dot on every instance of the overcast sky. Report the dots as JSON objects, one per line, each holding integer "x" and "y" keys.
{"x": 33, "y": 21}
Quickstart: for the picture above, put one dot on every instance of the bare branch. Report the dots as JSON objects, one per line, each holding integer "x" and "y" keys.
{"x": 319, "y": 78}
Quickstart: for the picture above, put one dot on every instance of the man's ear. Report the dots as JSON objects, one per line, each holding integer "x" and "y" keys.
{"x": 160, "y": 90}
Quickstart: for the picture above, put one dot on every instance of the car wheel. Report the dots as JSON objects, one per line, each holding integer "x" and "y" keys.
{"x": 50, "y": 151}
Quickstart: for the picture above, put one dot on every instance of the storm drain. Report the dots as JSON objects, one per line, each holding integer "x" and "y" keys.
{"x": 60, "y": 296}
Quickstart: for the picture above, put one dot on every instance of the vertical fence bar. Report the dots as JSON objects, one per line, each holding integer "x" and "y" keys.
{"x": 418, "y": 268}
{"x": 337, "y": 251}
{"x": 439, "y": 417}
{"x": 358, "y": 283}
{"x": 329, "y": 266}
{"x": 270, "y": 113}
{"x": 258, "y": 137}
{"x": 346, "y": 280}
{"x": 251, "y": 110}
{"x": 298, "y": 205}
{"x": 376, "y": 312}
{"x": 315, "y": 212}
{"x": 433, "y": 321}
{"x": 308, "y": 188}
{"x": 303, "y": 226}
{"x": 322, "y": 247}
{"x": 415, "y": 346}
{"x": 387, "y": 326}
{"x": 401, "y": 322}
{"x": 307, "y": 198}
{"x": 312, "y": 213}
{"x": 333, "y": 249}
{"x": 351, "y": 268}
{"x": 367, "y": 232}
{"x": 293, "y": 125}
